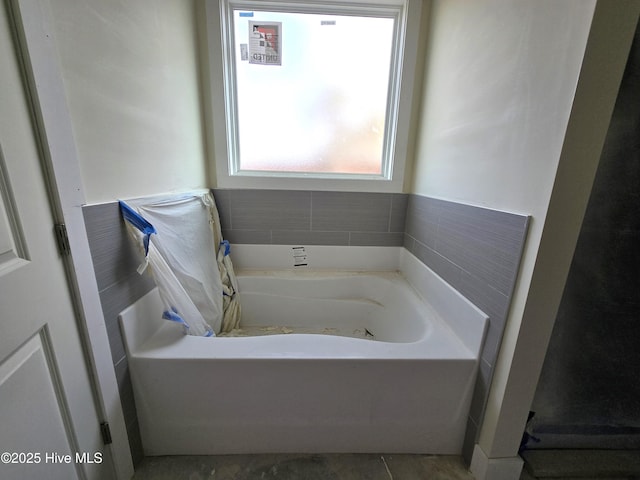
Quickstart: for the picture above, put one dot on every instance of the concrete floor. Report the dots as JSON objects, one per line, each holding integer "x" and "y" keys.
{"x": 540, "y": 465}
{"x": 303, "y": 467}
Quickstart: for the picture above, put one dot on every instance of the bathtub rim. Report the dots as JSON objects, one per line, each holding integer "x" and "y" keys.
{"x": 466, "y": 322}
{"x": 161, "y": 340}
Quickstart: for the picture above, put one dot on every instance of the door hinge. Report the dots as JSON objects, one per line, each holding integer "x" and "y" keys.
{"x": 62, "y": 239}
{"x": 106, "y": 433}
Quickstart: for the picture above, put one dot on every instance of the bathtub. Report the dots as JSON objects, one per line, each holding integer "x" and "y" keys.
{"x": 363, "y": 349}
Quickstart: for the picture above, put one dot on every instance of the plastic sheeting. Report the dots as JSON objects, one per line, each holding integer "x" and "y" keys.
{"x": 189, "y": 261}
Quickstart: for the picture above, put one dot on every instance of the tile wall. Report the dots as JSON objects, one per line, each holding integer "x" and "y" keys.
{"x": 475, "y": 249}
{"x": 289, "y": 217}
{"x": 115, "y": 261}
{"x": 478, "y": 252}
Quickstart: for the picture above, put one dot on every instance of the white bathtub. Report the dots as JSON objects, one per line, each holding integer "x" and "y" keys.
{"x": 404, "y": 387}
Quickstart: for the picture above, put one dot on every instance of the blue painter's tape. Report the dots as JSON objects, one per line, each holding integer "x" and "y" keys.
{"x": 246, "y": 14}
{"x": 227, "y": 247}
{"x": 138, "y": 221}
{"x": 174, "y": 317}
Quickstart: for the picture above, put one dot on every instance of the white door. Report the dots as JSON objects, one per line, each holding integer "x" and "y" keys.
{"x": 49, "y": 426}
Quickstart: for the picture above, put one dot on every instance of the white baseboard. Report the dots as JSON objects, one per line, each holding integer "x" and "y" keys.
{"x": 485, "y": 468}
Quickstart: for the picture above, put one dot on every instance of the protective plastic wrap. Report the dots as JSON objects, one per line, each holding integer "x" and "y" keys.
{"x": 189, "y": 261}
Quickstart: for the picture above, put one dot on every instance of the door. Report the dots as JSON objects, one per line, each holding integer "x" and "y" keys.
{"x": 49, "y": 425}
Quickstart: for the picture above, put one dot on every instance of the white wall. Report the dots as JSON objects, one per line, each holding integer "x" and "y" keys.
{"x": 131, "y": 77}
{"x": 498, "y": 92}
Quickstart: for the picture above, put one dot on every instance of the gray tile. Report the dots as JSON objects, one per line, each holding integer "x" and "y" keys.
{"x": 461, "y": 222}
{"x": 394, "y": 239}
{"x": 297, "y": 237}
{"x": 350, "y": 211}
{"x": 492, "y": 302}
{"x": 481, "y": 391}
{"x": 222, "y": 198}
{"x": 491, "y": 346}
{"x": 116, "y": 343}
{"x": 485, "y": 243}
{"x": 397, "y": 222}
{"x": 135, "y": 444}
{"x": 122, "y": 372}
{"x": 409, "y": 242}
{"x": 469, "y": 442}
{"x": 422, "y": 219}
{"x": 126, "y": 391}
{"x": 116, "y": 298}
{"x": 478, "y": 252}
{"x": 480, "y": 259}
{"x": 120, "y": 295}
{"x": 255, "y": 237}
{"x": 112, "y": 251}
{"x": 436, "y": 262}
{"x": 270, "y": 209}
{"x": 510, "y": 224}
{"x": 128, "y": 403}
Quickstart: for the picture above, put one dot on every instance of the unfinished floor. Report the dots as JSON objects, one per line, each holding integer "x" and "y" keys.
{"x": 303, "y": 467}
{"x": 540, "y": 464}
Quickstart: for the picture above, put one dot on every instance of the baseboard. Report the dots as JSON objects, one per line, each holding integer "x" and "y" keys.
{"x": 485, "y": 468}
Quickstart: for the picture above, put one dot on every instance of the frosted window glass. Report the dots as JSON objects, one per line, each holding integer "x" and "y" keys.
{"x": 323, "y": 109}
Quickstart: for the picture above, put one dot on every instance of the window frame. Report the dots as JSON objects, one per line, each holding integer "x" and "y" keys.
{"x": 221, "y": 111}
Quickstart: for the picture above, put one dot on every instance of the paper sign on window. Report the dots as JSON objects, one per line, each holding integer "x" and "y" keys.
{"x": 265, "y": 43}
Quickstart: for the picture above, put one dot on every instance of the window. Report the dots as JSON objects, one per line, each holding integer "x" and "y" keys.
{"x": 312, "y": 92}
